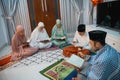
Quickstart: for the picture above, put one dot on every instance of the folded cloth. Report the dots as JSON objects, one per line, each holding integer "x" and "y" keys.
{"x": 69, "y": 50}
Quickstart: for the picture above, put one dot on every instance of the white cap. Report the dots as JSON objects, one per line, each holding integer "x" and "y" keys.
{"x": 58, "y": 21}
{"x": 41, "y": 24}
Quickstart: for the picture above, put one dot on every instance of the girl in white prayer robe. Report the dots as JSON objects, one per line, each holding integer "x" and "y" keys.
{"x": 38, "y": 37}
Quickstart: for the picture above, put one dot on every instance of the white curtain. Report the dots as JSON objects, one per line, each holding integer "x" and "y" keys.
{"x": 91, "y": 12}
{"x": 22, "y": 17}
{"x": 71, "y": 14}
{"x": 9, "y": 9}
{"x": 15, "y": 12}
{"x": 79, "y": 10}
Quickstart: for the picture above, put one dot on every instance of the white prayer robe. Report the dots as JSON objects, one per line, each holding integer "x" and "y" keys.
{"x": 82, "y": 41}
{"x": 38, "y": 36}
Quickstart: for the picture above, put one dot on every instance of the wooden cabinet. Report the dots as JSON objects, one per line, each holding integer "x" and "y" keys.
{"x": 46, "y": 11}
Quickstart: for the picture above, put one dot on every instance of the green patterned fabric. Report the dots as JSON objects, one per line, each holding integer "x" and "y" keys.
{"x": 58, "y": 33}
{"x": 60, "y": 70}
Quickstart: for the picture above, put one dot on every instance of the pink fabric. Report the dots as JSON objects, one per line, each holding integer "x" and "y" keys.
{"x": 18, "y": 51}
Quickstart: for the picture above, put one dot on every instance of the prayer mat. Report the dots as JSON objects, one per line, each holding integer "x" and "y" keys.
{"x": 60, "y": 70}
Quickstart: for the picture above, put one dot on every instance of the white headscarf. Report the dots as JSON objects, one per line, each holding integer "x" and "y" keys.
{"x": 41, "y": 24}
{"x": 58, "y": 21}
{"x": 37, "y": 35}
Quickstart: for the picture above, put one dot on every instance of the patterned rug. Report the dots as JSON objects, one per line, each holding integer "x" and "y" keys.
{"x": 37, "y": 58}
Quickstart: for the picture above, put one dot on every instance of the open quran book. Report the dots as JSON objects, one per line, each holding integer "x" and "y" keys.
{"x": 60, "y": 38}
{"x": 45, "y": 40}
{"x": 76, "y": 60}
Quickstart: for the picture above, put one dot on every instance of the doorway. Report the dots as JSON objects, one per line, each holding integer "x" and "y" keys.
{"x": 46, "y": 11}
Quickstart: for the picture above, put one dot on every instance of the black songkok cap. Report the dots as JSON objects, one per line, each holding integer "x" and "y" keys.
{"x": 81, "y": 28}
{"x": 97, "y": 35}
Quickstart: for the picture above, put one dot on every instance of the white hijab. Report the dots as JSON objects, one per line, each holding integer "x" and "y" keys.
{"x": 39, "y": 35}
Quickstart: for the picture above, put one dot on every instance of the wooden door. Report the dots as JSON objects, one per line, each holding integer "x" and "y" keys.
{"x": 46, "y": 11}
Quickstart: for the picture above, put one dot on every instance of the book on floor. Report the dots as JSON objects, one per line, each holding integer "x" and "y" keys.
{"x": 60, "y": 70}
{"x": 76, "y": 61}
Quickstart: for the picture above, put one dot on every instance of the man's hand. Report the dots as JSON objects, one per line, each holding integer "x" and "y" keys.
{"x": 81, "y": 54}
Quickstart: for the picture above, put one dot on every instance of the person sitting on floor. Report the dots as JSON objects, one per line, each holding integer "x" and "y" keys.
{"x": 81, "y": 37}
{"x": 58, "y": 35}
{"x": 80, "y": 43}
{"x": 106, "y": 62}
{"x": 39, "y": 37}
{"x": 20, "y": 47}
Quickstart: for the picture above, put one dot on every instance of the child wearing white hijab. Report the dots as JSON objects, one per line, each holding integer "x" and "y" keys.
{"x": 39, "y": 37}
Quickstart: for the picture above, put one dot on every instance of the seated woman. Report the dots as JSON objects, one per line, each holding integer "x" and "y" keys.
{"x": 58, "y": 35}
{"x": 80, "y": 43}
{"x": 20, "y": 47}
{"x": 39, "y": 37}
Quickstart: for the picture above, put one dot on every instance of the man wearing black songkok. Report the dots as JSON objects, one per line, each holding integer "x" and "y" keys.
{"x": 97, "y": 38}
{"x": 106, "y": 62}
